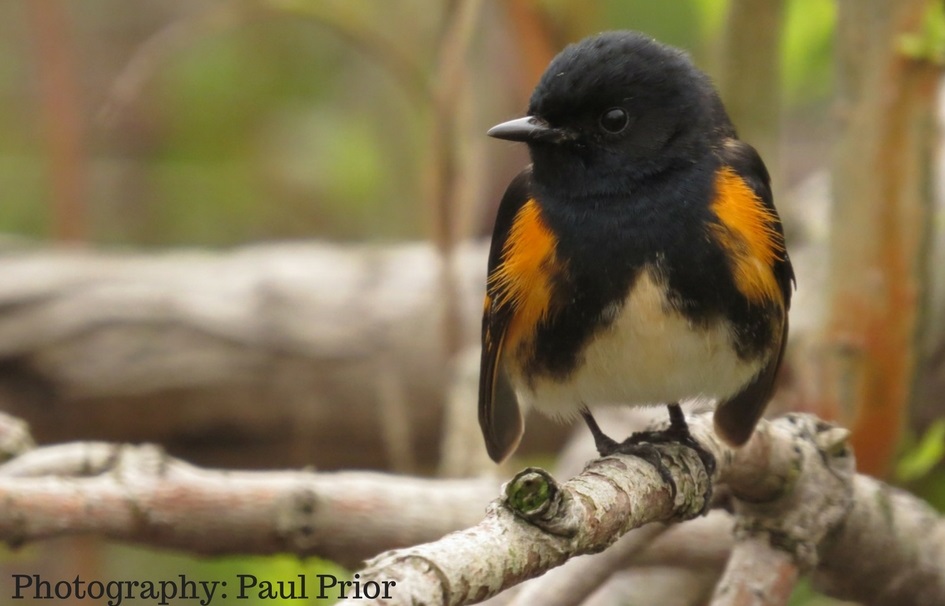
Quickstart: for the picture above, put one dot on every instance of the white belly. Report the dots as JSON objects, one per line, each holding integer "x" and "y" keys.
{"x": 650, "y": 354}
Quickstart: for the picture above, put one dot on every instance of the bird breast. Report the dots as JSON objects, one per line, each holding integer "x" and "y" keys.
{"x": 649, "y": 353}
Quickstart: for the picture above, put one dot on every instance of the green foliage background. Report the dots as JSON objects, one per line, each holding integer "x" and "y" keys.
{"x": 269, "y": 122}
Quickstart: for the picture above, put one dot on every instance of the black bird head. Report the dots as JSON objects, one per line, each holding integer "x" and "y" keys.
{"x": 615, "y": 109}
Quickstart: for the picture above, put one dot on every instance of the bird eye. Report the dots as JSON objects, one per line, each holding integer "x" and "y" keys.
{"x": 614, "y": 120}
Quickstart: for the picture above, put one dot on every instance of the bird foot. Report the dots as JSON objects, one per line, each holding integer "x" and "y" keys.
{"x": 642, "y": 444}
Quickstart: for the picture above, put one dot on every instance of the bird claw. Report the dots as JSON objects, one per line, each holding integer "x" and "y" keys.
{"x": 642, "y": 444}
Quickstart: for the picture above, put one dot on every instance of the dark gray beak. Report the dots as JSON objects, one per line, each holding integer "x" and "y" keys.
{"x": 524, "y": 129}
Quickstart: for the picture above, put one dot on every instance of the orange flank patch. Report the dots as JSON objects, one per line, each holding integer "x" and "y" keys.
{"x": 523, "y": 278}
{"x": 748, "y": 235}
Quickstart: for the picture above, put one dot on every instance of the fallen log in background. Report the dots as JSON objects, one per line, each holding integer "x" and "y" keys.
{"x": 266, "y": 356}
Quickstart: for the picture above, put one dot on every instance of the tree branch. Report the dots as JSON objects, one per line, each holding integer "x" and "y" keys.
{"x": 138, "y": 494}
{"x": 797, "y": 502}
{"x": 889, "y": 551}
{"x": 539, "y": 524}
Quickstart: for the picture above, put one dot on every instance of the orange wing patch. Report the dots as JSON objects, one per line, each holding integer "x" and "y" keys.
{"x": 523, "y": 279}
{"x": 747, "y": 233}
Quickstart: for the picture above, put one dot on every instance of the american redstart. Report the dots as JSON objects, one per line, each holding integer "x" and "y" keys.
{"x": 638, "y": 260}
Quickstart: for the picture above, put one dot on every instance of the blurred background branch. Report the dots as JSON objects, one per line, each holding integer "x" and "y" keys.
{"x": 881, "y": 221}
{"x": 750, "y": 75}
{"x": 50, "y": 27}
{"x": 268, "y": 356}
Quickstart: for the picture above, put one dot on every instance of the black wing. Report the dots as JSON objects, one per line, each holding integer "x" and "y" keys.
{"x": 500, "y": 417}
{"x": 735, "y": 419}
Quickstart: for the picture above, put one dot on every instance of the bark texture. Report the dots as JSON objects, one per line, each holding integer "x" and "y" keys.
{"x": 793, "y": 488}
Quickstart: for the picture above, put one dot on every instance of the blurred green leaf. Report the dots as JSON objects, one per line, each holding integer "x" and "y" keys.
{"x": 919, "y": 460}
{"x": 138, "y": 563}
{"x": 25, "y": 211}
{"x": 928, "y": 44}
{"x": 807, "y": 50}
{"x": 805, "y": 595}
{"x": 711, "y": 16}
{"x": 685, "y": 29}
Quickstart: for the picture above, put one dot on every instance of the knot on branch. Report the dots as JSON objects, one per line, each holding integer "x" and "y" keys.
{"x": 296, "y": 519}
{"x": 536, "y": 497}
{"x": 15, "y": 438}
{"x": 134, "y": 464}
{"x": 814, "y": 499}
